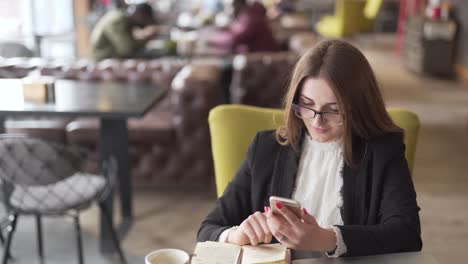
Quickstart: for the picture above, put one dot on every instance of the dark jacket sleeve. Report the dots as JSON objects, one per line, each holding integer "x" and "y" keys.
{"x": 234, "y": 205}
{"x": 399, "y": 228}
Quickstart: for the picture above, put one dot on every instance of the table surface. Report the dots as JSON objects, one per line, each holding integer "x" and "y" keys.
{"x": 83, "y": 98}
{"x": 397, "y": 258}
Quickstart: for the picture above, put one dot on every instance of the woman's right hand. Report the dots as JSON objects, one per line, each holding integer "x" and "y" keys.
{"x": 253, "y": 230}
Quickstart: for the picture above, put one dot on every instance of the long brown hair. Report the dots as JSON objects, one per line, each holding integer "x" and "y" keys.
{"x": 351, "y": 78}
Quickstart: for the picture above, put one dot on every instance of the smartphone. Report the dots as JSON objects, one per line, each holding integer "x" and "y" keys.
{"x": 291, "y": 204}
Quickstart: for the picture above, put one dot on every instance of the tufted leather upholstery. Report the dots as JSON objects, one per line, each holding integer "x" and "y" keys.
{"x": 18, "y": 67}
{"x": 150, "y": 141}
{"x": 196, "y": 90}
{"x": 170, "y": 144}
{"x": 272, "y": 72}
{"x": 159, "y": 72}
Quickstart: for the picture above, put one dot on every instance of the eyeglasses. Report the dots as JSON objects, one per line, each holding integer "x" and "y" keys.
{"x": 306, "y": 113}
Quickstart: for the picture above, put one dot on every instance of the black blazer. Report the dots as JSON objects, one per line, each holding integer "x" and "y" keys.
{"x": 380, "y": 212}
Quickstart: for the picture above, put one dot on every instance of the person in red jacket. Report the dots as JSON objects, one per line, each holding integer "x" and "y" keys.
{"x": 248, "y": 32}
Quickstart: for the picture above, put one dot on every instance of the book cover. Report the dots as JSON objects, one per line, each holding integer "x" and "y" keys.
{"x": 224, "y": 253}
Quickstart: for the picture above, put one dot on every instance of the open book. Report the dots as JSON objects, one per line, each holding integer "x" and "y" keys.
{"x": 225, "y": 253}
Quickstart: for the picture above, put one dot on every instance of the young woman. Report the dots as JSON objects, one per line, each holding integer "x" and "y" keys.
{"x": 339, "y": 154}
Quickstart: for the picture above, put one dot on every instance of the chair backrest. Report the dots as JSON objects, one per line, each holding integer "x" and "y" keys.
{"x": 32, "y": 162}
{"x": 233, "y": 127}
{"x": 409, "y": 122}
{"x": 372, "y": 8}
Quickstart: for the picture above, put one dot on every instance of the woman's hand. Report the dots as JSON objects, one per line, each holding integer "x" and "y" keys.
{"x": 299, "y": 234}
{"x": 253, "y": 230}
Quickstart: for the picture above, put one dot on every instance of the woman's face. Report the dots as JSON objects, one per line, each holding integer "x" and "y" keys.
{"x": 317, "y": 95}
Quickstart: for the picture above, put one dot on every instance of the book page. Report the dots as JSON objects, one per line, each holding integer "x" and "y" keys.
{"x": 264, "y": 254}
{"x": 216, "y": 253}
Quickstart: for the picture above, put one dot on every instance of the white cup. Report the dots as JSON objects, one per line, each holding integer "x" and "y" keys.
{"x": 167, "y": 256}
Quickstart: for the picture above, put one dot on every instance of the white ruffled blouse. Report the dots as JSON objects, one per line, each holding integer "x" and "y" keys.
{"x": 318, "y": 185}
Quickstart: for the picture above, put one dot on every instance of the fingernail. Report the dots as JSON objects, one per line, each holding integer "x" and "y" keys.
{"x": 278, "y": 205}
{"x": 304, "y": 211}
{"x": 265, "y": 209}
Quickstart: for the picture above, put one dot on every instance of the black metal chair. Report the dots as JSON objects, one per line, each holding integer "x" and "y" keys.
{"x": 3, "y": 221}
{"x": 43, "y": 178}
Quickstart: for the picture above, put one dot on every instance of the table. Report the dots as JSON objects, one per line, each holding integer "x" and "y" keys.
{"x": 397, "y": 258}
{"x": 113, "y": 103}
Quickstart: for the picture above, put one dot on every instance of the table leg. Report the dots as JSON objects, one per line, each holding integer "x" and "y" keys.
{"x": 114, "y": 142}
{"x": 2, "y": 125}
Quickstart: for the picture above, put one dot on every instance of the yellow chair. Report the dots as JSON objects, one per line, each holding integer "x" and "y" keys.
{"x": 232, "y": 128}
{"x": 351, "y": 16}
{"x": 409, "y": 122}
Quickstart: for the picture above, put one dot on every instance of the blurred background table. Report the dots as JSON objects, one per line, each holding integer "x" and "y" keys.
{"x": 113, "y": 103}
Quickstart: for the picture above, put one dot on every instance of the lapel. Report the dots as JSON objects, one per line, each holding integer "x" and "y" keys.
{"x": 354, "y": 179}
{"x": 285, "y": 171}
{"x": 354, "y": 185}
{"x": 349, "y": 182}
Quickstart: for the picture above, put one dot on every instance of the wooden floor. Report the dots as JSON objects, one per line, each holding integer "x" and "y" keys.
{"x": 170, "y": 218}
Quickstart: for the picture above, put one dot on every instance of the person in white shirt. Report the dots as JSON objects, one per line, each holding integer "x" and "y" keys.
{"x": 339, "y": 154}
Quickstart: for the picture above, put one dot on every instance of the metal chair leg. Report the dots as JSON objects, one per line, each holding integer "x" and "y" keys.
{"x": 78, "y": 238}
{"x": 11, "y": 229}
{"x": 40, "y": 249}
{"x": 116, "y": 241}
{"x": 2, "y": 241}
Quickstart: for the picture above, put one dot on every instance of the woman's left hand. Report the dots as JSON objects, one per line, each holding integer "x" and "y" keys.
{"x": 299, "y": 234}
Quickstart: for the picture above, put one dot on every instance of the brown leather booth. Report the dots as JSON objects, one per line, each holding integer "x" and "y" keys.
{"x": 170, "y": 144}
{"x": 261, "y": 79}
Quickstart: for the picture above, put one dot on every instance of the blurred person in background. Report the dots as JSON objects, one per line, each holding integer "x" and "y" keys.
{"x": 281, "y": 7}
{"x": 248, "y": 32}
{"x": 113, "y": 37}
